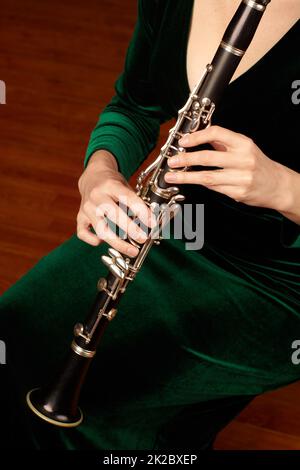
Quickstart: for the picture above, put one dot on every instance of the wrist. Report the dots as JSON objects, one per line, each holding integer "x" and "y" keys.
{"x": 289, "y": 194}
{"x": 99, "y": 162}
{"x": 283, "y": 199}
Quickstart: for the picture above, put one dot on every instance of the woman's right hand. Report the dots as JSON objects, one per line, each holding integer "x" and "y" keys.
{"x": 101, "y": 187}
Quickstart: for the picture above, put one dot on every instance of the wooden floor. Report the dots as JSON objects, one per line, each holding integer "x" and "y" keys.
{"x": 59, "y": 61}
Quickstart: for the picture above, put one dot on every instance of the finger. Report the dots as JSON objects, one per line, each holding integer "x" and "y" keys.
{"x": 105, "y": 233}
{"x": 95, "y": 215}
{"x": 116, "y": 215}
{"x": 138, "y": 208}
{"x": 208, "y": 178}
{"x": 84, "y": 233}
{"x": 206, "y": 158}
{"x": 211, "y": 135}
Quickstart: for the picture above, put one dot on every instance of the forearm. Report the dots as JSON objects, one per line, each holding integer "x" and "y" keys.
{"x": 129, "y": 125}
{"x": 289, "y": 199}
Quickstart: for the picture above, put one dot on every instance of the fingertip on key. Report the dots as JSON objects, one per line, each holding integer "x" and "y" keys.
{"x": 184, "y": 140}
{"x": 132, "y": 251}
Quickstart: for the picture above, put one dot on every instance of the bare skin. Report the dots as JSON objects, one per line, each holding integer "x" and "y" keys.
{"x": 209, "y": 21}
{"x": 247, "y": 175}
{"x": 101, "y": 187}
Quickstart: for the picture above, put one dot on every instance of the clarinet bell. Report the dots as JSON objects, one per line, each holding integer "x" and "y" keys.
{"x": 45, "y": 406}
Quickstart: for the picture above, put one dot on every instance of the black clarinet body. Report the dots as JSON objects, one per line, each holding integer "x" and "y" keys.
{"x": 57, "y": 402}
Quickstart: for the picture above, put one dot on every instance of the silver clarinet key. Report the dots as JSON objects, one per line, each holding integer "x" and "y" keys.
{"x": 114, "y": 253}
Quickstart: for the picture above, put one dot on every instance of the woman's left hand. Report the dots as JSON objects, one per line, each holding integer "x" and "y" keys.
{"x": 246, "y": 174}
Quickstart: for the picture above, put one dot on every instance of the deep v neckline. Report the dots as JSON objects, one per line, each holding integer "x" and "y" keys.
{"x": 241, "y": 77}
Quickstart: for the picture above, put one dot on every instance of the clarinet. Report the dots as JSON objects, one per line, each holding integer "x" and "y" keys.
{"x": 57, "y": 403}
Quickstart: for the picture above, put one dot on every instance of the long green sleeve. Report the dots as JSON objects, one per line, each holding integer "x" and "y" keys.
{"x": 129, "y": 125}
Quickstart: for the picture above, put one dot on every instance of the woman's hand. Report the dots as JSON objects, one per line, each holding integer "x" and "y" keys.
{"x": 102, "y": 187}
{"x": 246, "y": 174}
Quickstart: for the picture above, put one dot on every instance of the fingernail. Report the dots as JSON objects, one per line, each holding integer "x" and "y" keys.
{"x": 173, "y": 161}
{"x": 184, "y": 140}
{"x": 170, "y": 177}
{"x": 142, "y": 237}
{"x": 132, "y": 251}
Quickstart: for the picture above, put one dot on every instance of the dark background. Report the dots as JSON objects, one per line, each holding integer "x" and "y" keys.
{"x": 59, "y": 61}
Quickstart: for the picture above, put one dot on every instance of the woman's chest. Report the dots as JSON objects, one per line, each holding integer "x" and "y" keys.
{"x": 254, "y": 104}
{"x": 208, "y": 21}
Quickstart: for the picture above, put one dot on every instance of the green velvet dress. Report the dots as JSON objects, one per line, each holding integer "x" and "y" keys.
{"x": 195, "y": 325}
